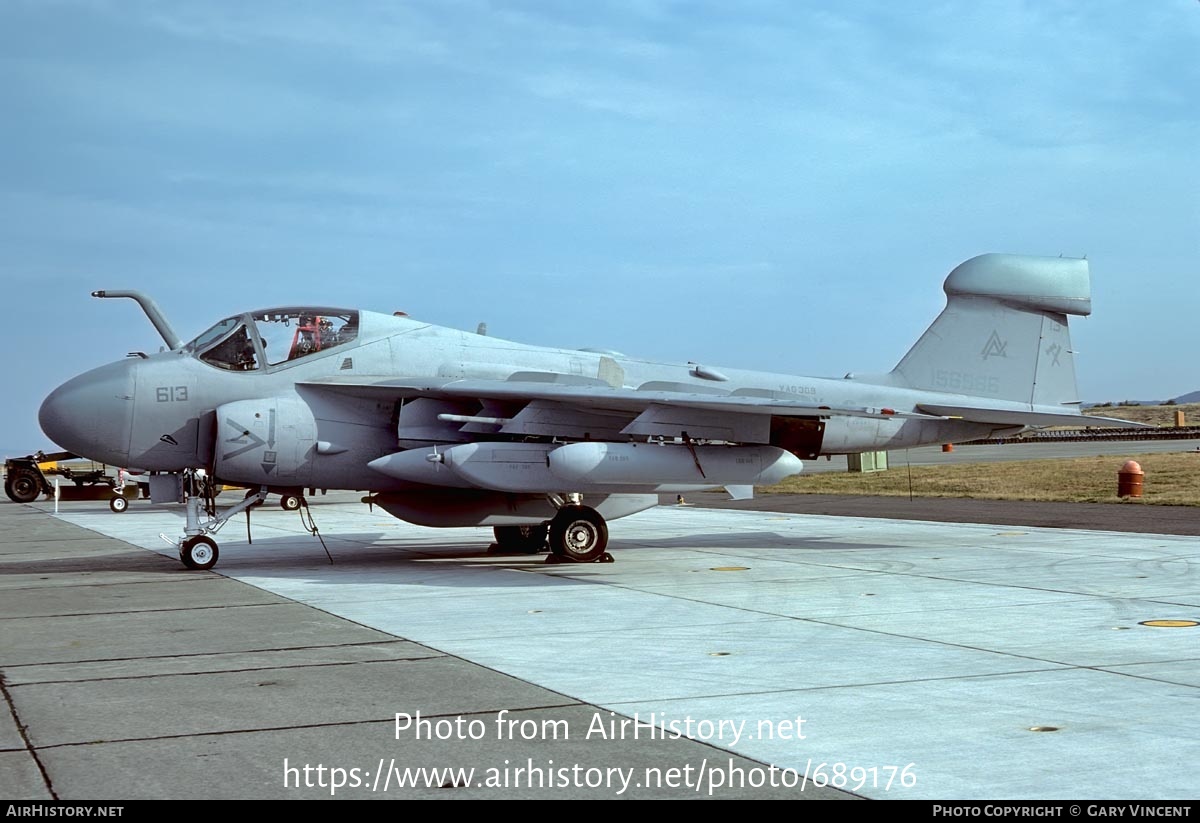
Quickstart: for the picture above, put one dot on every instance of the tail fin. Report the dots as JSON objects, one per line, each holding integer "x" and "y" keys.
{"x": 1003, "y": 334}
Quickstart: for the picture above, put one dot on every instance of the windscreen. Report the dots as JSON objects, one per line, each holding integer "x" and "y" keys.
{"x": 227, "y": 345}
{"x": 216, "y": 332}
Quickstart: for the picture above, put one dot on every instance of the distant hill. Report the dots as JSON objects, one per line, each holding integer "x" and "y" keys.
{"x": 1115, "y": 403}
{"x": 1190, "y": 397}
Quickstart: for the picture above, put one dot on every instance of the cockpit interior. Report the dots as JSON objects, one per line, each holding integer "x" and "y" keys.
{"x": 275, "y": 337}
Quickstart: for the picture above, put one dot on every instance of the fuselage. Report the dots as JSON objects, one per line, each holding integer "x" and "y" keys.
{"x": 160, "y": 412}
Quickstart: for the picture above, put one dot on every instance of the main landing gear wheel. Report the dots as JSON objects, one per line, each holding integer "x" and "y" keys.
{"x": 118, "y": 504}
{"x": 290, "y": 502}
{"x": 199, "y": 552}
{"x": 520, "y": 539}
{"x": 578, "y": 533}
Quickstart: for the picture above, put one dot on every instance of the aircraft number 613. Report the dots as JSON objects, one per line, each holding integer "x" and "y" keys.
{"x": 171, "y": 394}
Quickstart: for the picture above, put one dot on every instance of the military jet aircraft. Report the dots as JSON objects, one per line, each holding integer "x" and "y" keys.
{"x": 448, "y": 428}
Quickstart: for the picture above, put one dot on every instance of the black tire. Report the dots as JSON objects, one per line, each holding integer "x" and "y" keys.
{"x": 199, "y": 552}
{"x": 118, "y": 504}
{"x": 290, "y": 502}
{"x": 578, "y": 533}
{"x": 23, "y": 486}
{"x": 522, "y": 539}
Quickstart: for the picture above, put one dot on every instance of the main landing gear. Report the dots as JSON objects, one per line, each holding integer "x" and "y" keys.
{"x": 287, "y": 502}
{"x": 577, "y": 534}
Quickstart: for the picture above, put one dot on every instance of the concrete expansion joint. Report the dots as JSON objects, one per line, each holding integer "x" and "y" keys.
{"x": 244, "y": 670}
{"x": 390, "y": 719}
{"x": 23, "y": 730}
{"x": 268, "y": 650}
{"x": 148, "y": 611}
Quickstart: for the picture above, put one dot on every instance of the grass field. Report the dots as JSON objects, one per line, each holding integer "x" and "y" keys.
{"x": 1171, "y": 479}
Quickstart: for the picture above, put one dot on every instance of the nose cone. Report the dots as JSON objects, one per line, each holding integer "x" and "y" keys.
{"x": 92, "y": 414}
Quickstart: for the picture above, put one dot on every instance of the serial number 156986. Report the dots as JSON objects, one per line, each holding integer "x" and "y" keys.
{"x": 964, "y": 381}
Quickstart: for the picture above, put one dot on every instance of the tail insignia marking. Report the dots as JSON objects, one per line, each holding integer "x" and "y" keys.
{"x": 994, "y": 347}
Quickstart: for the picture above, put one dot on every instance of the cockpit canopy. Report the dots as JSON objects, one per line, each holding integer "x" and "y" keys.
{"x": 262, "y": 339}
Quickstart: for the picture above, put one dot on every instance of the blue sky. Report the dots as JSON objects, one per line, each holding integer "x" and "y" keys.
{"x": 776, "y": 185}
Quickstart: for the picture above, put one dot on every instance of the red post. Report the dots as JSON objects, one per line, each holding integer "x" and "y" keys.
{"x": 1129, "y": 479}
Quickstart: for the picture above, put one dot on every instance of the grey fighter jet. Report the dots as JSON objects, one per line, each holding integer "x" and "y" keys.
{"x": 448, "y": 428}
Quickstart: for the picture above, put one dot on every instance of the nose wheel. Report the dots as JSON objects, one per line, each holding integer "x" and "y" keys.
{"x": 199, "y": 552}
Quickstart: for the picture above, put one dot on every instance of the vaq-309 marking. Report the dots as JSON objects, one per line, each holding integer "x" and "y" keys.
{"x": 449, "y": 428}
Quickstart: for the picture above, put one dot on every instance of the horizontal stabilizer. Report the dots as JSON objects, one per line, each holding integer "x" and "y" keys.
{"x": 1012, "y": 417}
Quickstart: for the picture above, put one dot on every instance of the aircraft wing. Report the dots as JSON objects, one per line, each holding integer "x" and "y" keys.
{"x": 573, "y": 406}
{"x": 570, "y": 406}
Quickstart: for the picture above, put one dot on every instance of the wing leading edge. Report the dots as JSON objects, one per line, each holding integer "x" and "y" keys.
{"x": 585, "y": 393}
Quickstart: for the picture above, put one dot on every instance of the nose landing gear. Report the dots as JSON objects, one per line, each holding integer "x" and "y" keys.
{"x": 197, "y": 550}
